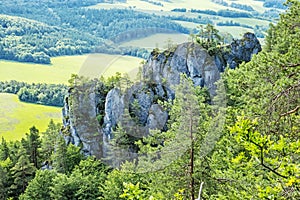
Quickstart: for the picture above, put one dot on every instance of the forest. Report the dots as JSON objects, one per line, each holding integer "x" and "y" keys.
{"x": 41, "y": 93}
{"x": 55, "y": 30}
{"x": 256, "y": 154}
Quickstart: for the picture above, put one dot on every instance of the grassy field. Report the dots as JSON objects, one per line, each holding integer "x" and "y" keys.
{"x": 157, "y": 41}
{"x": 96, "y": 65}
{"x": 189, "y": 4}
{"x": 93, "y": 65}
{"x": 17, "y": 117}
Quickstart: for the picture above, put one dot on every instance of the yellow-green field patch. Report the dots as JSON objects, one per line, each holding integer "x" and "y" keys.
{"x": 188, "y": 4}
{"x": 160, "y": 40}
{"x": 62, "y": 67}
{"x": 17, "y": 117}
{"x": 96, "y": 65}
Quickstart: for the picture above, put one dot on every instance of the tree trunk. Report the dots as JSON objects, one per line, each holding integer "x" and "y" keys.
{"x": 192, "y": 181}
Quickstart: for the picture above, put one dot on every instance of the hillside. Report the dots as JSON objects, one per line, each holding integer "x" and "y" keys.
{"x": 32, "y": 41}
{"x": 211, "y": 118}
{"x": 72, "y": 27}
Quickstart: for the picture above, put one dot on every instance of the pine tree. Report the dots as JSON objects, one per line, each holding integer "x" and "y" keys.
{"x": 49, "y": 140}
{"x": 39, "y": 187}
{"x": 4, "y": 150}
{"x": 59, "y": 157}
{"x": 22, "y": 173}
{"x": 34, "y": 144}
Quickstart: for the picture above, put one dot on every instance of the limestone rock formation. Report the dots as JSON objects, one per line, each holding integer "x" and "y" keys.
{"x": 160, "y": 74}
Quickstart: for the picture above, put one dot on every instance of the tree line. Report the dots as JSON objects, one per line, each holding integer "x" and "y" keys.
{"x": 224, "y": 13}
{"x": 257, "y": 149}
{"x": 70, "y": 31}
{"x": 40, "y": 93}
{"x": 43, "y": 166}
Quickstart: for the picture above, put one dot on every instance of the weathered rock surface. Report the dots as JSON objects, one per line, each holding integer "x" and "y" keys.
{"x": 242, "y": 50}
{"x": 160, "y": 74}
{"x": 81, "y": 123}
{"x": 114, "y": 108}
{"x": 157, "y": 117}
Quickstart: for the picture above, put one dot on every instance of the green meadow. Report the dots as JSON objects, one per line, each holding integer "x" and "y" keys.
{"x": 17, "y": 117}
{"x": 91, "y": 65}
{"x": 203, "y": 5}
{"x": 160, "y": 41}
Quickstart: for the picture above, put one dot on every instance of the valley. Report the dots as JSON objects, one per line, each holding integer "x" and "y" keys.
{"x": 149, "y": 99}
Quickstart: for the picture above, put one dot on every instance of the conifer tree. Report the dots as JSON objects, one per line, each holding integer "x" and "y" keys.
{"x": 22, "y": 173}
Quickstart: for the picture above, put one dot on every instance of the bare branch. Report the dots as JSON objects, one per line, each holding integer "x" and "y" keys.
{"x": 200, "y": 190}
{"x": 290, "y": 112}
{"x": 286, "y": 91}
{"x": 262, "y": 160}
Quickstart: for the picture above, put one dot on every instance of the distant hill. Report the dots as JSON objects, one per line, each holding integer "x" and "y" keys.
{"x": 32, "y": 41}
{"x": 72, "y": 27}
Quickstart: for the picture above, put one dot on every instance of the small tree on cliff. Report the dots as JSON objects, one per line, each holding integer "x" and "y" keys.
{"x": 209, "y": 38}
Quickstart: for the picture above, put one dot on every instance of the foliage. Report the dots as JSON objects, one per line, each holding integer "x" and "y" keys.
{"x": 39, "y": 187}
{"x": 71, "y": 30}
{"x": 42, "y": 93}
{"x": 209, "y": 38}
{"x": 22, "y": 173}
{"x": 65, "y": 157}
{"x": 224, "y": 13}
{"x": 263, "y": 121}
{"x": 274, "y": 4}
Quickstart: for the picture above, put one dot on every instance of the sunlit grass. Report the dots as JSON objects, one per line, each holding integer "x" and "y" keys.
{"x": 158, "y": 41}
{"x": 60, "y": 70}
{"x": 17, "y": 117}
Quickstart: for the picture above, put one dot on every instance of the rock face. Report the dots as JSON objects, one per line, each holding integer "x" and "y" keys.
{"x": 188, "y": 58}
{"x": 138, "y": 104}
{"x": 80, "y": 121}
{"x": 242, "y": 50}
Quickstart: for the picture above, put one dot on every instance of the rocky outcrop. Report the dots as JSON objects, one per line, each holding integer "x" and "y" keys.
{"x": 188, "y": 58}
{"x": 137, "y": 106}
{"x": 114, "y": 108}
{"x": 79, "y": 120}
{"x": 242, "y": 50}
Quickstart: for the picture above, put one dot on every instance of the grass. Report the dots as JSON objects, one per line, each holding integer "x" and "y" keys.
{"x": 157, "y": 41}
{"x": 18, "y": 117}
{"x": 93, "y": 65}
{"x": 188, "y": 4}
{"x": 107, "y": 65}
{"x": 235, "y": 31}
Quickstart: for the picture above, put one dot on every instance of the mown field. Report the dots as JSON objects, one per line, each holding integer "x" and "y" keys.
{"x": 93, "y": 65}
{"x": 160, "y": 41}
{"x": 17, "y": 117}
{"x": 165, "y": 10}
{"x": 203, "y": 5}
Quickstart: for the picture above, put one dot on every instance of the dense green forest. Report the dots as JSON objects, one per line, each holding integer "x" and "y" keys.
{"x": 256, "y": 155}
{"x": 41, "y": 93}
{"x": 41, "y": 29}
{"x": 58, "y": 28}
